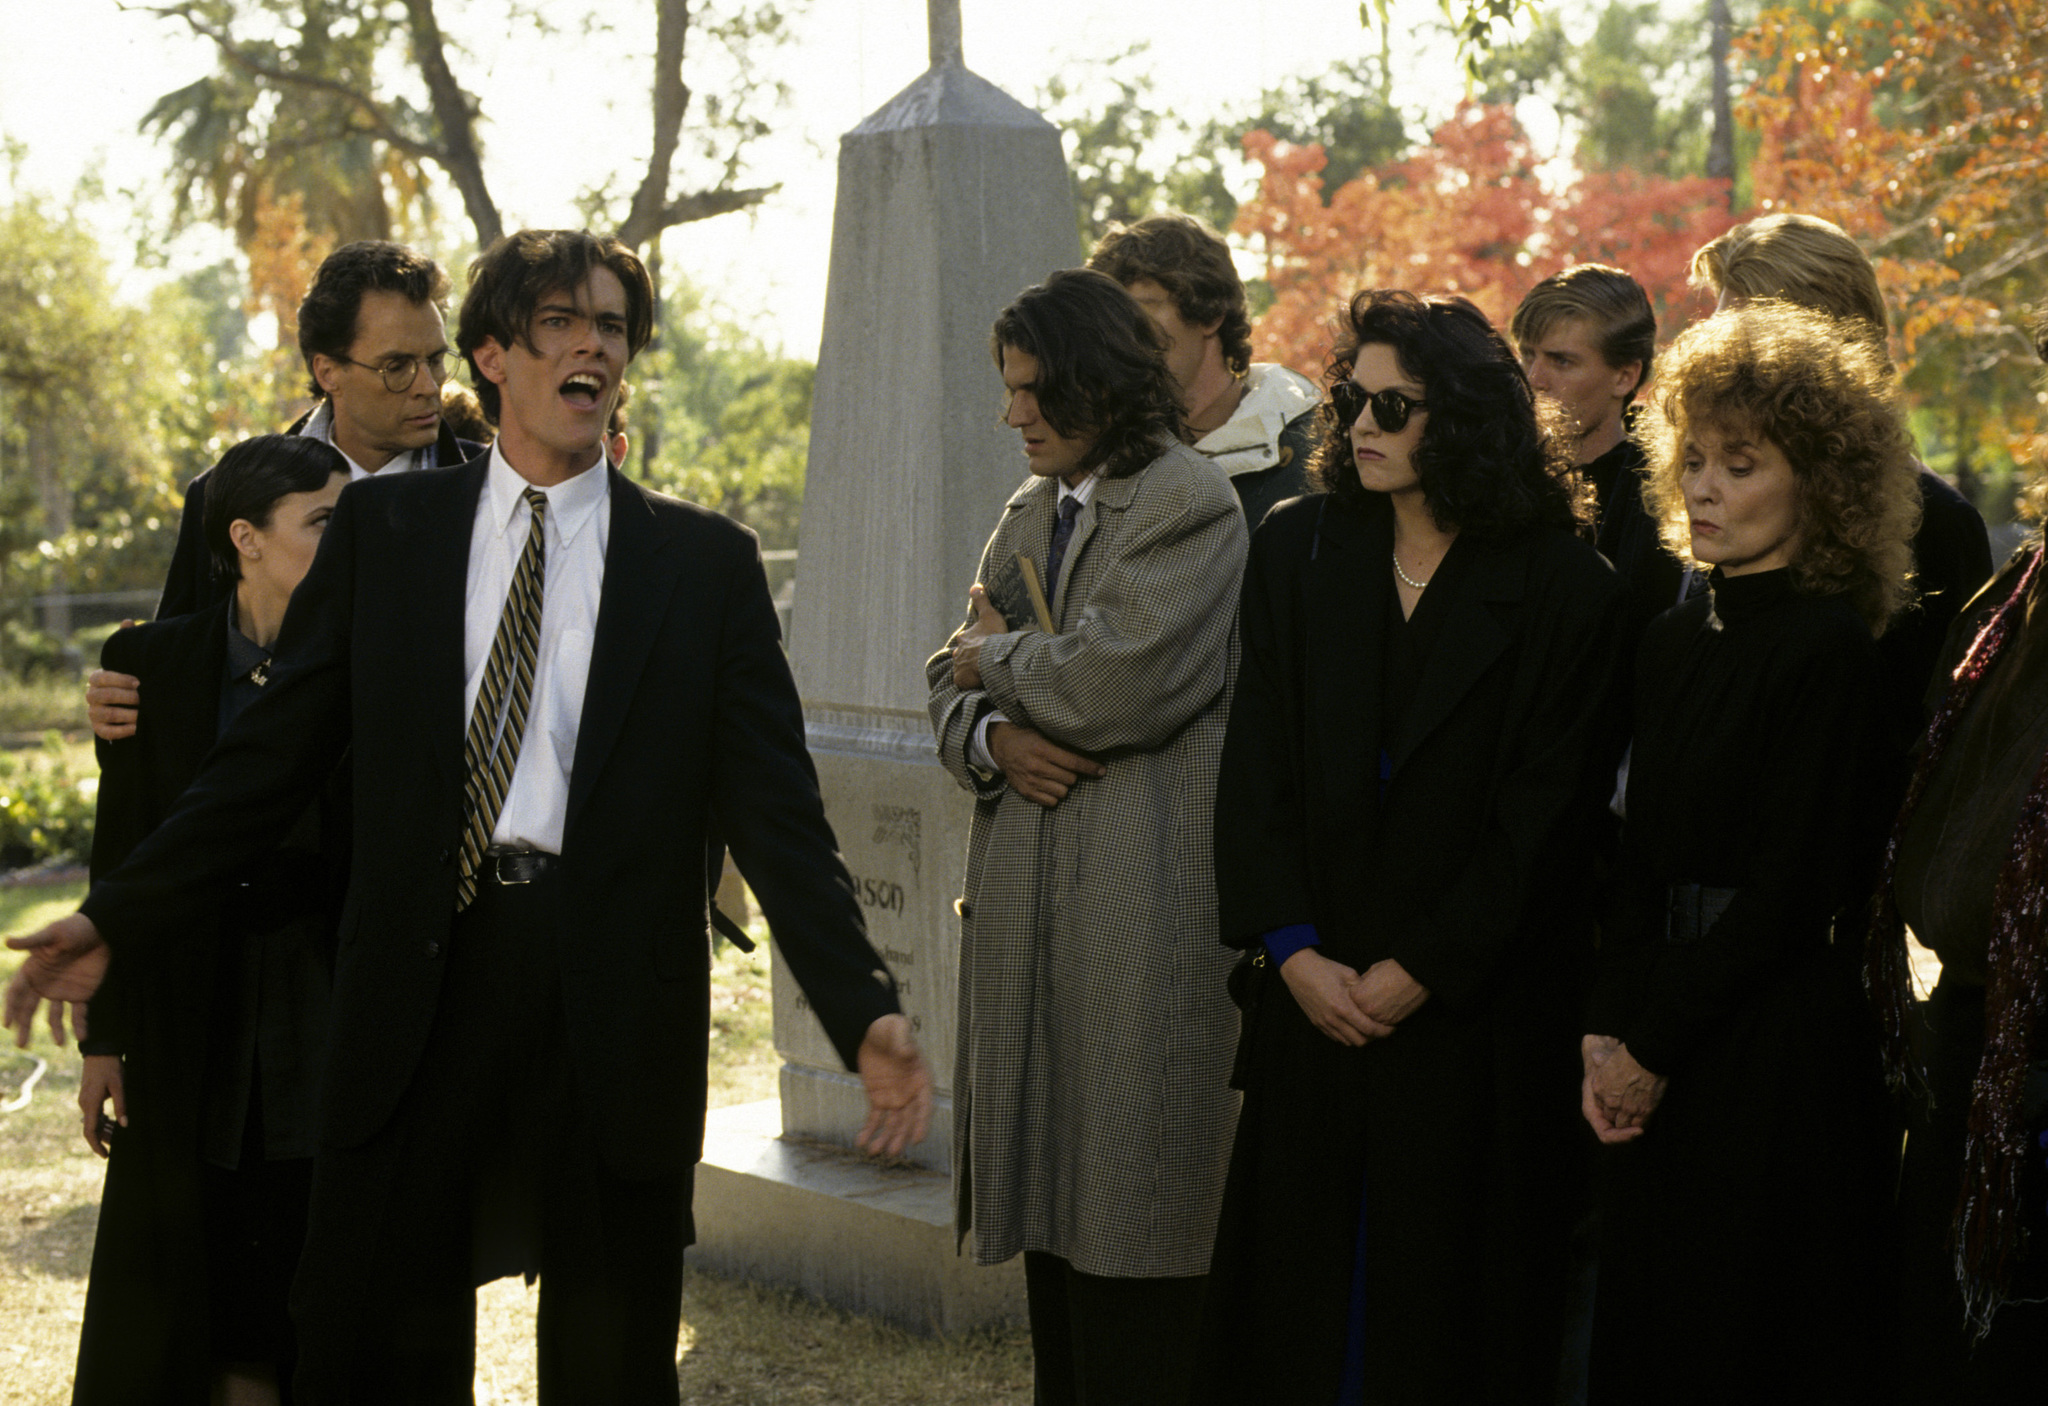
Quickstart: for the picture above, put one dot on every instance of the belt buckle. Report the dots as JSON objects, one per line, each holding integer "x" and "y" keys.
{"x": 514, "y": 867}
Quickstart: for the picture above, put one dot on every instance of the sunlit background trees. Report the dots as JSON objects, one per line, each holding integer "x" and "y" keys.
{"x": 1628, "y": 134}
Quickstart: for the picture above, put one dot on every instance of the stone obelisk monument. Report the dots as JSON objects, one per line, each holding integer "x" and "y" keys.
{"x": 952, "y": 198}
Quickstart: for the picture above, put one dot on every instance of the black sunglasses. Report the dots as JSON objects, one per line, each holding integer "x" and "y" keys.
{"x": 1390, "y": 409}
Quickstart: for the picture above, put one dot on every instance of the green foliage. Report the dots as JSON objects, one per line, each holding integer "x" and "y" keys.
{"x": 1130, "y": 158}
{"x": 46, "y": 804}
{"x": 106, "y": 409}
{"x": 729, "y": 419}
{"x": 1636, "y": 90}
{"x": 1345, "y": 110}
{"x": 1118, "y": 137}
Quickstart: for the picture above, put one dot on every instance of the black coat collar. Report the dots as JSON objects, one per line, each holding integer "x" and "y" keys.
{"x": 1351, "y": 576}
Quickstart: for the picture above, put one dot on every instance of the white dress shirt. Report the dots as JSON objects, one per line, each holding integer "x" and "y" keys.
{"x": 578, "y": 524}
{"x": 320, "y": 426}
{"x": 978, "y": 753}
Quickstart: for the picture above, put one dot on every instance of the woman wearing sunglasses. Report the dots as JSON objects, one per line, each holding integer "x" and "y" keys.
{"x": 1422, "y": 740}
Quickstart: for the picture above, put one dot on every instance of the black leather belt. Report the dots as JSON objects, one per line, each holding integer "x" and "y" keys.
{"x": 518, "y": 866}
{"x": 1692, "y": 909}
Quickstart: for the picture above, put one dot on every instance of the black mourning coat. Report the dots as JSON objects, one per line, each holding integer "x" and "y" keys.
{"x": 1461, "y": 1126}
{"x": 1741, "y": 1232}
{"x": 146, "y": 1331}
{"x": 690, "y": 720}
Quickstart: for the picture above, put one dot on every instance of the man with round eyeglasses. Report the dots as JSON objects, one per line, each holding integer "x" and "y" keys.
{"x": 376, "y": 354}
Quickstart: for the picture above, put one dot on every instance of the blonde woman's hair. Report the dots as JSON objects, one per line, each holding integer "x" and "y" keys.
{"x": 1801, "y": 259}
{"x": 1807, "y": 384}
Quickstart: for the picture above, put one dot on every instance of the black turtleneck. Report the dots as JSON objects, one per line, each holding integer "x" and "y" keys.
{"x": 1759, "y": 766}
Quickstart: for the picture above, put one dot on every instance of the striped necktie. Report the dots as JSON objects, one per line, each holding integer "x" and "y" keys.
{"x": 490, "y": 753}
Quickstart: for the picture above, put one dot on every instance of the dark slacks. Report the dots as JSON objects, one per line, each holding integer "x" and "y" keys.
{"x": 486, "y": 1169}
{"x": 1097, "y": 1341}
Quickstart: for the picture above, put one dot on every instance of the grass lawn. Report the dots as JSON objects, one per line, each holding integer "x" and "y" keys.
{"x": 741, "y": 1345}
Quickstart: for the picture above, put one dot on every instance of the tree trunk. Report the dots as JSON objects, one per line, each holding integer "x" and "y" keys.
{"x": 455, "y": 115}
{"x": 1721, "y": 147}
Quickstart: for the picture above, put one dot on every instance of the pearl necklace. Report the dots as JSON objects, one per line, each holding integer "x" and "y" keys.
{"x": 1406, "y": 579}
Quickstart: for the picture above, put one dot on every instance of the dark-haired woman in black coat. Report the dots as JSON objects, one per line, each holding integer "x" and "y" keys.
{"x": 1422, "y": 740}
{"x": 207, "y": 1060}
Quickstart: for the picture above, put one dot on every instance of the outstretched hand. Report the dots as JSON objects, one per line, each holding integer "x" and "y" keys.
{"x": 966, "y": 643}
{"x": 66, "y": 963}
{"x": 899, "y": 1088}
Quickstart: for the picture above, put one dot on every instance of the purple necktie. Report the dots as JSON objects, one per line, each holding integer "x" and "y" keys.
{"x": 1062, "y": 533}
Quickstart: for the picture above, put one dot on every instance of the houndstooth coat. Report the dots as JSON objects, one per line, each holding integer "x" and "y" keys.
{"x": 1092, "y": 1113}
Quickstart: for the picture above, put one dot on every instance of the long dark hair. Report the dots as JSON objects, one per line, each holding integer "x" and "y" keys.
{"x": 249, "y": 480}
{"x": 1491, "y": 460}
{"x": 1101, "y": 369}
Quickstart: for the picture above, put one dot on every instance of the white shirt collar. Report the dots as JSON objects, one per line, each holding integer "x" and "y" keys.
{"x": 571, "y": 503}
{"x": 1081, "y": 494}
{"x": 320, "y": 425}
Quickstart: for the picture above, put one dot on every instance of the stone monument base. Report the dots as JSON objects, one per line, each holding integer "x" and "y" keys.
{"x": 871, "y": 1239}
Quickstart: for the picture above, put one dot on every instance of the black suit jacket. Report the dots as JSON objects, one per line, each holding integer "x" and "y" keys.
{"x": 690, "y": 723}
{"x": 190, "y": 583}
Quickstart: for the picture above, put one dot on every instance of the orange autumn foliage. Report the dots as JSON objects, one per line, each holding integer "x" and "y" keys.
{"x": 1926, "y": 137}
{"x": 1468, "y": 214}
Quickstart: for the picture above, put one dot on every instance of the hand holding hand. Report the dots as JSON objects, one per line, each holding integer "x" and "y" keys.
{"x": 98, "y": 1083}
{"x": 966, "y": 644}
{"x": 66, "y": 963}
{"x": 1322, "y": 988}
{"x": 1386, "y": 993}
{"x": 1040, "y": 770}
{"x": 111, "y": 701}
{"x": 899, "y": 1088}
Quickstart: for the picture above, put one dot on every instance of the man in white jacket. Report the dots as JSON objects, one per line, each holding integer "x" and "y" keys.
{"x": 1256, "y": 420}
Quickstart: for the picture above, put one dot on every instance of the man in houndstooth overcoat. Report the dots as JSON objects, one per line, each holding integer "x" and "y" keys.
{"x": 1093, "y": 1116}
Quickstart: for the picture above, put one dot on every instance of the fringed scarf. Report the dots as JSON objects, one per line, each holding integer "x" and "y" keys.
{"x": 1986, "y": 1232}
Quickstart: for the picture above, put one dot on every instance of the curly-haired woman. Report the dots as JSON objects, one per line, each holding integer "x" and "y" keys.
{"x": 1415, "y": 756}
{"x": 1728, "y": 1062}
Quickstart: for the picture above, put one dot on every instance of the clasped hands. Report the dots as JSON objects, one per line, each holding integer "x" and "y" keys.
{"x": 1352, "y": 1007}
{"x": 1618, "y": 1095}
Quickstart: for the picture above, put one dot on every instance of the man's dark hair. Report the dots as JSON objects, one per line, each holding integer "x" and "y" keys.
{"x": 250, "y": 479}
{"x": 327, "y": 314}
{"x": 1192, "y": 263}
{"x": 509, "y": 279}
{"x": 1101, "y": 370}
{"x": 1612, "y": 303}
{"x": 1489, "y": 462}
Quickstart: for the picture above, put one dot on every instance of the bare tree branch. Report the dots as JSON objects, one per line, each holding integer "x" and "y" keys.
{"x": 380, "y": 123}
{"x": 455, "y": 115}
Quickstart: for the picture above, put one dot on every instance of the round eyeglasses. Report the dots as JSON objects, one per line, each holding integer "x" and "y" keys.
{"x": 1390, "y": 408}
{"x": 399, "y": 372}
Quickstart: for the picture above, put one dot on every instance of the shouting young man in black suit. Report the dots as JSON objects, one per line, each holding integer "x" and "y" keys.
{"x": 556, "y": 686}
